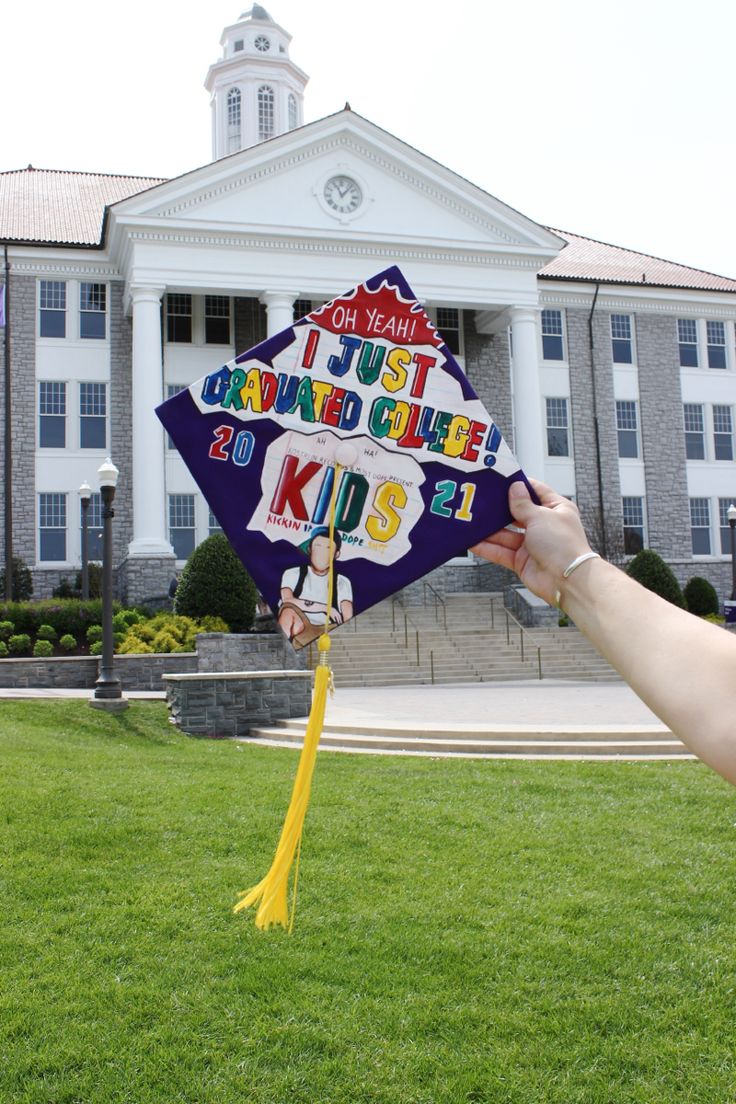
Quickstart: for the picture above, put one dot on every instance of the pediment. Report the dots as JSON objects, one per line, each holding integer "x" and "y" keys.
{"x": 279, "y": 187}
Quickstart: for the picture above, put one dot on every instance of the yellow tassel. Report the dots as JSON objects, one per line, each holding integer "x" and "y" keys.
{"x": 272, "y": 891}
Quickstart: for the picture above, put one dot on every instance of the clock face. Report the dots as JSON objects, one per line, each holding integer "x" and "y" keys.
{"x": 342, "y": 194}
{"x": 262, "y": 44}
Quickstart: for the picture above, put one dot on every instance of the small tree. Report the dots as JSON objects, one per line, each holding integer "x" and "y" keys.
{"x": 649, "y": 569}
{"x": 22, "y": 581}
{"x": 701, "y": 597}
{"x": 215, "y": 583}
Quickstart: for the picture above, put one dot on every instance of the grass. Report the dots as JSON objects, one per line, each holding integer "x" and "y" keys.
{"x": 466, "y": 932}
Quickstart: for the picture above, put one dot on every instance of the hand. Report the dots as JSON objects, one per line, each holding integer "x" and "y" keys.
{"x": 553, "y": 537}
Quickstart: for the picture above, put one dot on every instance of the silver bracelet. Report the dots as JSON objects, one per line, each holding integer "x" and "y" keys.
{"x": 569, "y": 570}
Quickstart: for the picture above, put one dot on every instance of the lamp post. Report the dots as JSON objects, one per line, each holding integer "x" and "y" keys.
{"x": 85, "y": 496}
{"x": 732, "y": 524}
{"x": 108, "y": 693}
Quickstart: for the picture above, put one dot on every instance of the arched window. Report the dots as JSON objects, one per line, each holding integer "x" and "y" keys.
{"x": 233, "y": 120}
{"x": 265, "y": 112}
{"x": 293, "y": 120}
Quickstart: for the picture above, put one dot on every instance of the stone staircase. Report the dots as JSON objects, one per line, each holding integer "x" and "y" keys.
{"x": 575, "y": 743}
{"x": 394, "y": 645}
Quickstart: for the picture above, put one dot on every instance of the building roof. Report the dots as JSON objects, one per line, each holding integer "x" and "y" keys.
{"x": 597, "y": 262}
{"x": 61, "y": 208}
{"x": 47, "y": 206}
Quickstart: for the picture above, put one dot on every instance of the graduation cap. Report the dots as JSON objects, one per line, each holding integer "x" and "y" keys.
{"x": 344, "y": 457}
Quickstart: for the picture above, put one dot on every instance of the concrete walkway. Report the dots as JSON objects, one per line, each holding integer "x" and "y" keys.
{"x": 551, "y": 701}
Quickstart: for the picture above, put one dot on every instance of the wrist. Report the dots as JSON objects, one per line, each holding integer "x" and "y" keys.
{"x": 563, "y": 586}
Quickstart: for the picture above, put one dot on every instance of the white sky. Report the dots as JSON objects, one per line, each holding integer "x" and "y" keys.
{"x": 612, "y": 120}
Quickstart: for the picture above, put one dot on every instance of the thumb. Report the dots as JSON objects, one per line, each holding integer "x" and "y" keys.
{"x": 520, "y": 502}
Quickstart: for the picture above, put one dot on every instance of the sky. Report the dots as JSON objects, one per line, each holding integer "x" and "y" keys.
{"x": 615, "y": 121}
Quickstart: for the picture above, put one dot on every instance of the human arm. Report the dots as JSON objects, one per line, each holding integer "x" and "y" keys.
{"x": 682, "y": 667}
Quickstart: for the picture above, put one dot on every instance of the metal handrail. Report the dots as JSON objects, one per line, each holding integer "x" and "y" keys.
{"x": 522, "y": 633}
{"x": 437, "y": 598}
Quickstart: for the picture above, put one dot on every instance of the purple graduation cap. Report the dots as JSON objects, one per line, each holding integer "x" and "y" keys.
{"x": 364, "y": 387}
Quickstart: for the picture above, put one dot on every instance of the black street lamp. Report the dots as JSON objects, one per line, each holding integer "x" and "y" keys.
{"x": 85, "y": 496}
{"x": 108, "y": 692}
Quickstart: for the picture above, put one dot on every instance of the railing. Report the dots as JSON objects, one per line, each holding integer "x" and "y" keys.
{"x": 522, "y": 634}
{"x": 438, "y": 601}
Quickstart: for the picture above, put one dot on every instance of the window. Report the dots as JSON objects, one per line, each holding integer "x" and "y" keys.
{"x": 237, "y": 45}
{"x": 52, "y": 302}
{"x": 628, "y": 429}
{"x": 687, "y": 336}
{"x": 633, "y": 511}
{"x": 265, "y": 112}
{"x": 725, "y": 528}
{"x": 92, "y": 415}
{"x": 694, "y": 431}
{"x": 552, "y": 346}
{"x": 722, "y": 433}
{"x": 700, "y": 526}
{"x": 51, "y": 414}
{"x": 558, "y": 438}
{"x": 233, "y": 118}
{"x": 293, "y": 117}
{"x": 181, "y": 524}
{"x": 216, "y": 320}
{"x": 171, "y": 390}
{"x": 448, "y": 325}
{"x": 621, "y": 342}
{"x": 52, "y": 527}
{"x": 302, "y": 307}
{"x": 716, "y": 338}
{"x": 92, "y": 308}
{"x": 94, "y": 527}
{"x": 214, "y": 525}
{"x": 178, "y": 318}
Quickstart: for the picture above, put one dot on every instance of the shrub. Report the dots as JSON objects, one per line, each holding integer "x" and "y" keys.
{"x": 133, "y": 645}
{"x": 96, "y": 648}
{"x": 701, "y": 597}
{"x": 649, "y": 569}
{"x": 3, "y": 649}
{"x": 65, "y": 590}
{"x": 7, "y": 628}
{"x": 124, "y": 618}
{"x": 68, "y": 643}
{"x": 20, "y": 644}
{"x": 213, "y": 625}
{"x": 69, "y": 615}
{"x": 214, "y": 583}
{"x": 43, "y": 648}
{"x": 22, "y": 581}
{"x": 46, "y": 632}
{"x": 94, "y": 634}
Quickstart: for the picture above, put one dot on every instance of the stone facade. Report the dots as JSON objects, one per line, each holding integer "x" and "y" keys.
{"x": 249, "y": 323}
{"x": 488, "y": 367}
{"x": 121, "y": 420}
{"x": 22, "y": 315}
{"x": 250, "y": 652}
{"x": 593, "y": 415}
{"x": 223, "y": 705}
{"x": 663, "y": 439}
{"x": 145, "y": 578}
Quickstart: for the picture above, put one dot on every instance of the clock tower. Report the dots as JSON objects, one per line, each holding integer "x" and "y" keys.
{"x": 256, "y": 91}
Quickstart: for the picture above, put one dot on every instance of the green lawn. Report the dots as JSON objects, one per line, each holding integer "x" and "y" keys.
{"x": 466, "y": 932}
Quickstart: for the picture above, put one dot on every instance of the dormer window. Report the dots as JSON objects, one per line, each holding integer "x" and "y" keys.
{"x": 233, "y": 120}
{"x": 262, "y": 44}
{"x": 237, "y": 45}
{"x": 265, "y": 112}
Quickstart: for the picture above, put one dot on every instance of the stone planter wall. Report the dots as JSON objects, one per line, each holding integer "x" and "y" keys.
{"x": 231, "y": 703}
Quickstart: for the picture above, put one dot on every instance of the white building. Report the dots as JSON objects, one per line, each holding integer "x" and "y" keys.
{"x": 612, "y": 374}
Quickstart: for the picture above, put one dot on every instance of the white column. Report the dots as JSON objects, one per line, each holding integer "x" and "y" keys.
{"x": 529, "y": 428}
{"x": 149, "y": 493}
{"x": 279, "y": 311}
